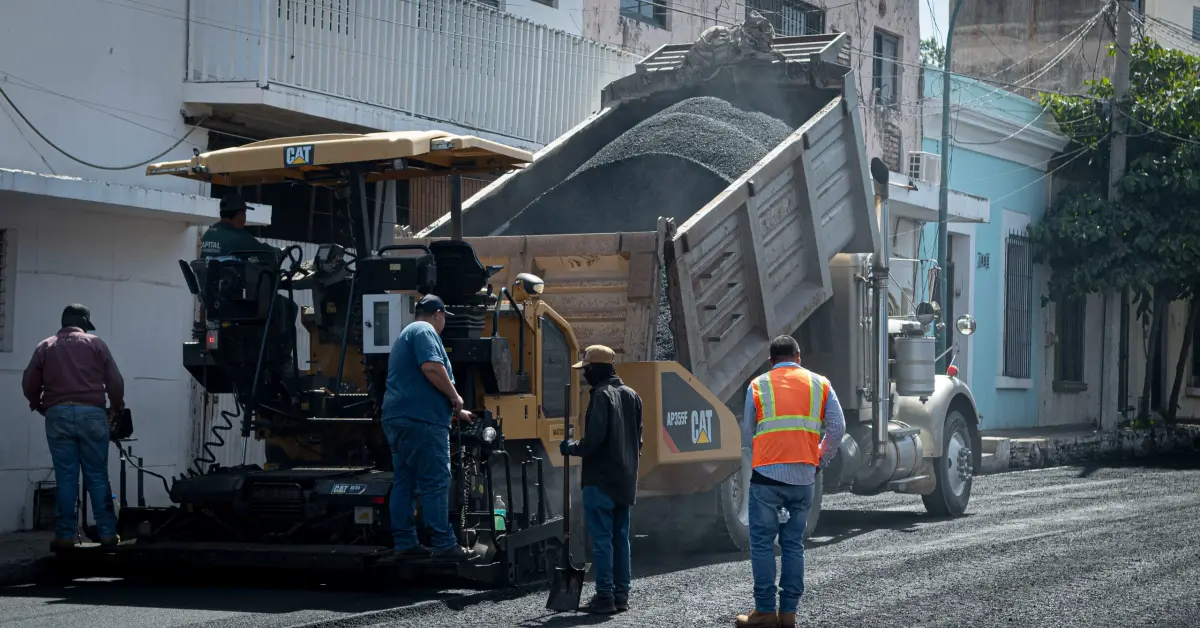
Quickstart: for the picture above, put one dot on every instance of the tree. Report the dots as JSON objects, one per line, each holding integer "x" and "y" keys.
{"x": 933, "y": 53}
{"x": 1149, "y": 242}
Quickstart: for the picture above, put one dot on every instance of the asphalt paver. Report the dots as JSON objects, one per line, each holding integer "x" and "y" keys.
{"x": 1066, "y": 547}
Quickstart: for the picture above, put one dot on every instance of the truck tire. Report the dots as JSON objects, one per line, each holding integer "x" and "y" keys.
{"x": 953, "y": 471}
{"x": 733, "y": 508}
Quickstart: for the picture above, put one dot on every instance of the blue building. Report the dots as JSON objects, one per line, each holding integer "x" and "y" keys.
{"x": 1001, "y": 147}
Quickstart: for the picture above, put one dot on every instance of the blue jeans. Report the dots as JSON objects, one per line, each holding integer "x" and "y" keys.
{"x": 608, "y": 524}
{"x": 78, "y": 437}
{"x": 765, "y": 502}
{"x": 421, "y": 467}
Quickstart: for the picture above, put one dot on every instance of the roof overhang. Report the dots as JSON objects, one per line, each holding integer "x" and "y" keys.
{"x": 918, "y": 200}
{"x": 322, "y": 159}
{"x": 54, "y": 192}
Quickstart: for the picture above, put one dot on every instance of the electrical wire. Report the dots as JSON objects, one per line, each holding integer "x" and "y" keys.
{"x": 68, "y": 155}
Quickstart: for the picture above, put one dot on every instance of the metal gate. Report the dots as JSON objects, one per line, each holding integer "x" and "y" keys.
{"x": 205, "y": 419}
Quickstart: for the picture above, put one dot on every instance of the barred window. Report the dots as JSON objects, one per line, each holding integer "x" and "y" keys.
{"x": 1070, "y": 325}
{"x": 1018, "y": 306}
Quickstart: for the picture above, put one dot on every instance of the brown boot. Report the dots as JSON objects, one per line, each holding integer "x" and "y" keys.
{"x": 787, "y": 620}
{"x": 757, "y": 619}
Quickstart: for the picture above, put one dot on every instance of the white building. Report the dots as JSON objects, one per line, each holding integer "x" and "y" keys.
{"x": 119, "y": 83}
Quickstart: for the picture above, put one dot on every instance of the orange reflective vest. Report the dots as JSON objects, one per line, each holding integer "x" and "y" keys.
{"x": 789, "y": 402}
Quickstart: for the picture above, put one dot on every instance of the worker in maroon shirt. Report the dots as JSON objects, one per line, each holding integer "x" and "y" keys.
{"x": 66, "y": 382}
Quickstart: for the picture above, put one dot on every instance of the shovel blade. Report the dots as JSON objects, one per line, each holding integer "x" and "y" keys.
{"x": 566, "y": 590}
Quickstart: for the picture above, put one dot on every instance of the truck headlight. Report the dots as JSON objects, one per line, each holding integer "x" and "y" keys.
{"x": 489, "y": 434}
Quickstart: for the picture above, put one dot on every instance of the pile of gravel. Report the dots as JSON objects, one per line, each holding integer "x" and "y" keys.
{"x": 669, "y": 165}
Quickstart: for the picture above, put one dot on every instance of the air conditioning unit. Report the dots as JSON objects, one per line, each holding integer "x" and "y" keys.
{"x": 924, "y": 166}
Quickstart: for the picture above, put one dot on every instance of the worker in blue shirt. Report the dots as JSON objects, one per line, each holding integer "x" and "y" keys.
{"x": 418, "y": 406}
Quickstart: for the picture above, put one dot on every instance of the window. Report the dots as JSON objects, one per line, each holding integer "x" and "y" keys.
{"x": 1018, "y": 306}
{"x": 556, "y": 368}
{"x": 1070, "y": 326}
{"x": 887, "y": 68}
{"x": 1196, "y": 23}
{"x": 549, "y": 3}
{"x": 649, "y": 11}
{"x": 790, "y": 17}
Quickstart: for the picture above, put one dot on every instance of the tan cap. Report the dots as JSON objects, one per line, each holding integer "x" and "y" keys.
{"x": 596, "y": 354}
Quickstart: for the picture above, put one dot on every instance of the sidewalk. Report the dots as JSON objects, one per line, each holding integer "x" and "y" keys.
{"x": 23, "y": 556}
{"x": 1014, "y": 450}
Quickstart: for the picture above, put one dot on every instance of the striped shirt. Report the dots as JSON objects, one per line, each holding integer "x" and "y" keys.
{"x": 798, "y": 474}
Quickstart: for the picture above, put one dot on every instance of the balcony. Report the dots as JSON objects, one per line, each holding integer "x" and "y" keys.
{"x": 284, "y": 67}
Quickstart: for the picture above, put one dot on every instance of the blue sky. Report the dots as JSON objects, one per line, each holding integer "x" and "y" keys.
{"x": 934, "y": 13}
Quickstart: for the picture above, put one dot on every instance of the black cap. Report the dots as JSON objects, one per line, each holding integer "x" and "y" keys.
{"x": 429, "y": 304}
{"x": 233, "y": 202}
{"x": 78, "y": 315}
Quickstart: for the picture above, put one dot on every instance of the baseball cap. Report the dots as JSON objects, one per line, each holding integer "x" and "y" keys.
{"x": 596, "y": 354}
{"x": 233, "y": 202}
{"x": 78, "y": 315}
{"x": 429, "y": 304}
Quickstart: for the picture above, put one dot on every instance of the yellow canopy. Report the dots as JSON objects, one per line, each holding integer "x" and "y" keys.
{"x": 316, "y": 158}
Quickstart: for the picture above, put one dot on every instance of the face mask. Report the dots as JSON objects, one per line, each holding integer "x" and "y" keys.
{"x": 592, "y": 375}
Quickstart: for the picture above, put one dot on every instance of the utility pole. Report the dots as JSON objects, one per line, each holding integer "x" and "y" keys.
{"x": 943, "y": 247}
{"x": 1114, "y": 393}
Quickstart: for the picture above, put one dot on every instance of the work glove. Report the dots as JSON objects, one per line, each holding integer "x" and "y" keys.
{"x": 564, "y": 447}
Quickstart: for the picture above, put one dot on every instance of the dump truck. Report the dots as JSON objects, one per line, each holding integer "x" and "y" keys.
{"x": 791, "y": 246}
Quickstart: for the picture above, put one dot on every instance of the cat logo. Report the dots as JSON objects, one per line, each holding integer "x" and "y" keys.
{"x": 701, "y": 426}
{"x": 298, "y": 155}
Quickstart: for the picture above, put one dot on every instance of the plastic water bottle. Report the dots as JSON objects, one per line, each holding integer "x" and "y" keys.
{"x": 116, "y": 506}
{"x": 500, "y": 512}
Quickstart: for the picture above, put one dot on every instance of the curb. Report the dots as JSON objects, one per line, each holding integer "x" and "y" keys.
{"x": 1004, "y": 455}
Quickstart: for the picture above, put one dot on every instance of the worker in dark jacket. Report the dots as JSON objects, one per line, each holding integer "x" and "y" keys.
{"x": 228, "y": 236}
{"x": 610, "y": 449}
{"x": 66, "y": 382}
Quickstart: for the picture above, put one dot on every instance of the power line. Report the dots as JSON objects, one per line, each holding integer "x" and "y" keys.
{"x": 68, "y": 155}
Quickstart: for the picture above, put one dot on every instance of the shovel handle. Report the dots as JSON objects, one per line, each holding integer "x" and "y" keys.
{"x": 568, "y": 432}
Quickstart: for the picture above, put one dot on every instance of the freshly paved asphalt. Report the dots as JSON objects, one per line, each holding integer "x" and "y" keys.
{"x": 1059, "y": 547}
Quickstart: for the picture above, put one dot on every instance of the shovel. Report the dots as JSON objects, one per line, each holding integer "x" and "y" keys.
{"x": 568, "y": 579}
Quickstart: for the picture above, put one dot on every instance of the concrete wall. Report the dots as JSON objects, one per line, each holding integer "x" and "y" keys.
{"x": 124, "y": 270}
{"x": 603, "y": 22}
{"x": 565, "y": 15}
{"x": 105, "y": 85}
{"x": 103, "y": 82}
{"x": 1178, "y": 13}
{"x": 990, "y": 36}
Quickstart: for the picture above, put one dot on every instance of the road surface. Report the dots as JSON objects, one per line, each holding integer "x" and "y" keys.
{"x": 1059, "y": 547}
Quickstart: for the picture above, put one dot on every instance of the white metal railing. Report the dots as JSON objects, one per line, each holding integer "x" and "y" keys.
{"x": 452, "y": 60}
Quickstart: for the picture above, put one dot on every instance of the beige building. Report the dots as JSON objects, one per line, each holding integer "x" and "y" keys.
{"x": 884, "y": 48}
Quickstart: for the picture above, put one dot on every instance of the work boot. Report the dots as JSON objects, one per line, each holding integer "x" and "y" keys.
{"x": 600, "y": 605}
{"x": 457, "y": 552}
{"x": 787, "y": 620}
{"x": 413, "y": 553}
{"x": 621, "y": 602}
{"x": 757, "y": 619}
{"x": 59, "y": 545}
{"x": 110, "y": 541}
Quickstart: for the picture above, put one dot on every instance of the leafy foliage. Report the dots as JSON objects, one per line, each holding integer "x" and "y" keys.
{"x": 1149, "y": 240}
{"x": 933, "y": 53}
{"x": 1151, "y": 237}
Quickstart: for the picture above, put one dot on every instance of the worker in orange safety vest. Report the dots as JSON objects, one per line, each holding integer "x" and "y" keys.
{"x": 786, "y": 409}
